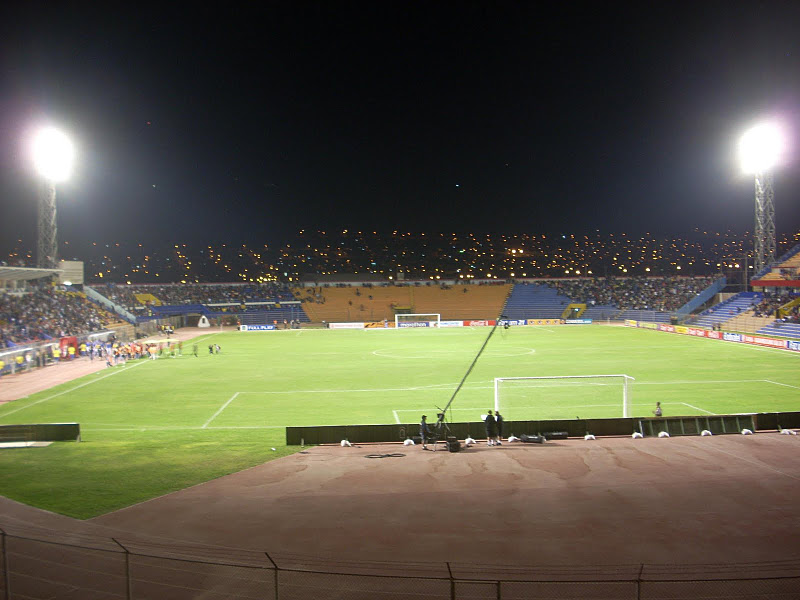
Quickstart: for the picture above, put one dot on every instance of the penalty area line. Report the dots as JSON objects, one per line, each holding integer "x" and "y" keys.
{"x": 221, "y": 408}
{"x": 708, "y": 412}
{"x": 794, "y": 387}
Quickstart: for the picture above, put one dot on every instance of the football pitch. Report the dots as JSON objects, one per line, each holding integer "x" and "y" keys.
{"x": 152, "y": 427}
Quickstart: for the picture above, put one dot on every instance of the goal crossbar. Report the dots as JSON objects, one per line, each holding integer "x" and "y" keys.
{"x": 626, "y": 380}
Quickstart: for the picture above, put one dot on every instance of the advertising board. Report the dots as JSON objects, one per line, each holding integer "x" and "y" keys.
{"x": 256, "y": 327}
{"x": 345, "y": 325}
{"x": 451, "y": 323}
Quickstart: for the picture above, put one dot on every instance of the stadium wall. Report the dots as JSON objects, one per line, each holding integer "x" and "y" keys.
{"x": 40, "y": 432}
{"x": 685, "y": 425}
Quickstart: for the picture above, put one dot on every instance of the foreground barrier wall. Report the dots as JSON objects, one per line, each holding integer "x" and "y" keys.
{"x": 36, "y": 563}
{"x": 688, "y": 425}
{"x": 41, "y": 432}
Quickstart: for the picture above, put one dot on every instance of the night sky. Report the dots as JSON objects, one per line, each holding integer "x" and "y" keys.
{"x": 245, "y": 123}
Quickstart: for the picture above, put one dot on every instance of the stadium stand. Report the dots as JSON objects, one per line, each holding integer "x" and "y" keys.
{"x": 535, "y": 301}
{"x": 43, "y": 313}
{"x": 718, "y": 314}
{"x": 375, "y": 303}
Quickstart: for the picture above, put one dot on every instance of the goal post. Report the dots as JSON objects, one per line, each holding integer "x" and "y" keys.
{"x": 402, "y": 320}
{"x": 537, "y": 397}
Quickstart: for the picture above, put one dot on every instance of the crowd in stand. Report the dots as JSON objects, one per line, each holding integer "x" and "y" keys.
{"x": 177, "y": 294}
{"x": 771, "y": 303}
{"x": 664, "y": 294}
{"x": 45, "y": 313}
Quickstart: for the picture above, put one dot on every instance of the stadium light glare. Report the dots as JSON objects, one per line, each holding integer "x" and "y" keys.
{"x": 53, "y": 154}
{"x": 762, "y": 147}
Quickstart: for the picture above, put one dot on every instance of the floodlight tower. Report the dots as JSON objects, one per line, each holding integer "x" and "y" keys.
{"x": 53, "y": 155}
{"x": 760, "y": 150}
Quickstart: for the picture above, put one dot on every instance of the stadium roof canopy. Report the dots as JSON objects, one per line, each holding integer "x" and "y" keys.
{"x": 25, "y": 273}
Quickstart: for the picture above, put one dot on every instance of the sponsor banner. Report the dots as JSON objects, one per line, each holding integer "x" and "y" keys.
{"x": 544, "y": 321}
{"x": 414, "y": 324}
{"x": 762, "y": 341}
{"x": 487, "y": 323}
{"x": 719, "y": 335}
{"x": 451, "y": 323}
{"x": 256, "y": 327}
{"x": 582, "y": 322}
{"x": 630, "y": 323}
{"x": 514, "y": 322}
{"x": 648, "y": 325}
{"x": 345, "y": 325}
{"x": 376, "y": 325}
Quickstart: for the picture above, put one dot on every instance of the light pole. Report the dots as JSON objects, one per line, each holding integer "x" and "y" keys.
{"x": 761, "y": 149}
{"x": 53, "y": 155}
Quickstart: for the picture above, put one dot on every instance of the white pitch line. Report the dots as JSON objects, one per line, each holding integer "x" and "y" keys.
{"x": 77, "y": 387}
{"x": 697, "y": 408}
{"x": 783, "y": 384}
{"x": 165, "y": 428}
{"x": 221, "y": 408}
{"x": 396, "y": 418}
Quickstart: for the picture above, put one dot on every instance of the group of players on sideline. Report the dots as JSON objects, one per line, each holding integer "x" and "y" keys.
{"x": 113, "y": 352}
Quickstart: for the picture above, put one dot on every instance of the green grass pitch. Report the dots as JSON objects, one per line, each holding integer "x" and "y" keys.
{"x": 152, "y": 427}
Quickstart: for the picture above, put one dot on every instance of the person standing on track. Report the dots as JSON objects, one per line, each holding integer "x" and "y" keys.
{"x": 424, "y": 432}
{"x": 499, "y": 420}
{"x": 491, "y": 429}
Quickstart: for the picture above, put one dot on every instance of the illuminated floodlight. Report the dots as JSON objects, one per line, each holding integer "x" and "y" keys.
{"x": 762, "y": 147}
{"x": 53, "y": 154}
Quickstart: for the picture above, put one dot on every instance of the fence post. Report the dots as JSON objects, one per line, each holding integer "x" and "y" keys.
{"x": 275, "y": 566}
{"x": 6, "y": 580}
{"x": 639, "y": 582}
{"x": 499, "y": 595}
{"x": 128, "y": 591}
{"x": 452, "y": 582}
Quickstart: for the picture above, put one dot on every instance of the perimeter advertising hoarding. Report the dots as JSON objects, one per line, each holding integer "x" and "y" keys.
{"x": 486, "y": 323}
{"x": 718, "y": 335}
{"x": 544, "y": 321}
{"x": 414, "y": 324}
{"x": 345, "y": 325}
{"x": 451, "y": 323}
{"x": 377, "y": 325}
{"x": 578, "y": 321}
{"x": 256, "y": 327}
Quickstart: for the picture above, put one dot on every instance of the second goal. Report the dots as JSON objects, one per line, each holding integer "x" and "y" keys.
{"x": 563, "y": 396}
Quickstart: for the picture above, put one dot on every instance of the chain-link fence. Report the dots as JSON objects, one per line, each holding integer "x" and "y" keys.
{"x": 43, "y": 564}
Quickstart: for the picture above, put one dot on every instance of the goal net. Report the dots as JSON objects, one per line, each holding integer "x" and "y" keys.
{"x": 563, "y": 396}
{"x": 417, "y": 320}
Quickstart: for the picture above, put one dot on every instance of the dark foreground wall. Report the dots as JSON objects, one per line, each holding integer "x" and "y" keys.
{"x": 41, "y": 432}
{"x": 691, "y": 425}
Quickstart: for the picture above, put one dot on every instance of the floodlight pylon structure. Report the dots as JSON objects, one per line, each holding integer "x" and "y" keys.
{"x": 764, "y": 235}
{"x": 52, "y": 156}
{"x": 761, "y": 149}
{"x": 46, "y": 230}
